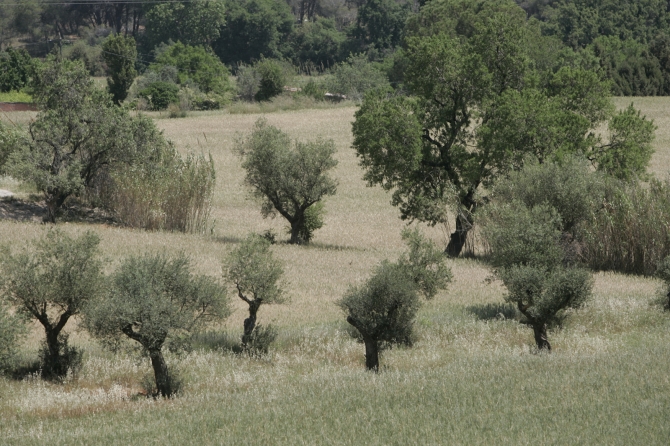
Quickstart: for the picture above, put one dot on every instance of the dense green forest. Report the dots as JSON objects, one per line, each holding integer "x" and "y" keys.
{"x": 627, "y": 42}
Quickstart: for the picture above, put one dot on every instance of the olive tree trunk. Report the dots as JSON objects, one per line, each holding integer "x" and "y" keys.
{"x": 371, "y": 354}
{"x": 297, "y": 226}
{"x": 250, "y": 322}
{"x": 161, "y": 374}
{"x": 540, "y": 332}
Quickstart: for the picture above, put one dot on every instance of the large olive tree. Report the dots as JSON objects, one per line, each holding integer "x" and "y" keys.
{"x": 477, "y": 104}
{"x": 289, "y": 177}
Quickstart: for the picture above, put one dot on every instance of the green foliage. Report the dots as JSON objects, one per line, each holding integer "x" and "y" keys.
{"x": 384, "y": 308}
{"x": 288, "y": 178}
{"x": 476, "y": 111}
{"x": 193, "y": 23}
{"x": 160, "y": 95}
{"x": 629, "y": 150}
{"x": 88, "y": 53}
{"x": 11, "y": 139}
{"x": 195, "y": 65}
{"x": 522, "y": 235}
{"x": 314, "y": 89}
{"x": 50, "y": 283}
{"x": 663, "y": 273}
{"x": 380, "y": 23}
{"x": 248, "y": 82}
{"x": 356, "y": 76}
{"x": 317, "y": 43}
{"x": 12, "y": 329}
{"x": 154, "y": 299}
{"x": 120, "y": 55}
{"x": 271, "y": 79}
{"x": 16, "y": 69}
{"x": 255, "y": 273}
{"x": 255, "y": 29}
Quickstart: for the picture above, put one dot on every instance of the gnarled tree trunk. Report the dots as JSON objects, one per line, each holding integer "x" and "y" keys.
{"x": 371, "y": 354}
{"x": 540, "y": 332}
{"x": 250, "y": 322}
{"x": 161, "y": 374}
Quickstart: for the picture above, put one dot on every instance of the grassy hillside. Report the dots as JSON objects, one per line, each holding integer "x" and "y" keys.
{"x": 472, "y": 377}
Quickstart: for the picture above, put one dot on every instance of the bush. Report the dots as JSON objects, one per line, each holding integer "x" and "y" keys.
{"x": 120, "y": 55}
{"x": 51, "y": 283}
{"x": 12, "y": 329}
{"x": 160, "y": 95}
{"x": 272, "y": 79}
{"x": 195, "y": 66}
{"x": 16, "y": 69}
{"x": 314, "y": 89}
{"x": 153, "y": 299}
{"x": 11, "y": 139}
{"x": 355, "y": 77}
{"x": 90, "y": 55}
{"x": 248, "y": 82}
{"x": 288, "y": 178}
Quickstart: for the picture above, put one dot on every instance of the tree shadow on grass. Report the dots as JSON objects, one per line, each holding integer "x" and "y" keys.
{"x": 497, "y": 311}
{"x": 35, "y": 210}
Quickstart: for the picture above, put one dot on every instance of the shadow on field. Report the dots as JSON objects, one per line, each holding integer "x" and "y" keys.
{"x": 493, "y": 311}
{"x": 34, "y": 210}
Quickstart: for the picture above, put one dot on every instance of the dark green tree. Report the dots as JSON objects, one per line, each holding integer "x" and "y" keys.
{"x": 380, "y": 23}
{"x": 271, "y": 79}
{"x": 16, "y": 69}
{"x": 156, "y": 300}
{"x": 120, "y": 55}
{"x": 51, "y": 282}
{"x": 384, "y": 308}
{"x": 255, "y": 273}
{"x": 318, "y": 42}
{"x": 289, "y": 178}
{"x": 255, "y": 28}
{"x": 196, "y": 22}
{"x": 475, "y": 111}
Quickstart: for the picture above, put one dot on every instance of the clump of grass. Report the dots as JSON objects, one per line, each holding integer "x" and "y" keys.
{"x": 16, "y": 96}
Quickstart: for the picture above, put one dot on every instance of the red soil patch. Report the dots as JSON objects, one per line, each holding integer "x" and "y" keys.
{"x": 17, "y": 106}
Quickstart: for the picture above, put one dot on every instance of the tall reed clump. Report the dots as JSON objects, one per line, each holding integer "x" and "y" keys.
{"x": 173, "y": 194}
{"x": 631, "y": 231}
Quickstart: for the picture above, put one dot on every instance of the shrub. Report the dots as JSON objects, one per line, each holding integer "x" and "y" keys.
{"x": 357, "y": 76}
{"x": 160, "y": 94}
{"x": 12, "y": 328}
{"x": 153, "y": 299}
{"x": 532, "y": 264}
{"x": 52, "y": 283}
{"x": 383, "y": 309}
{"x": 11, "y": 139}
{"x": 16, "y": 69}
{"x": 90, "y": 55}
{"x": 288, "y": 178}
{"x": 272, "y": 79}
{"x": 248, "y": 82}
{"x": 314, "y": 90}
{"x": 255, "y": 274}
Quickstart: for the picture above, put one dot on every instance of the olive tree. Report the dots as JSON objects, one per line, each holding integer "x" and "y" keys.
{"x": 12, "y": 328}
{"x": 255, "y": 273}
{"x": 383, "y": 309}
{"x": 51, "y": 282}
{"x": 476, "y": 106}
{"x": 541, "y": 278}
{"x": 154, "y": 299}
{"x": 289, "y": 178}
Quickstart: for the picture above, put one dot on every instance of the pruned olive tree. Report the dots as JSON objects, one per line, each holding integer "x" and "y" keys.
{"x": 289, "y": 177}
{"x": 384, "y": 308}
{"x": 255, "y": 273}
{"x": 51, "y": 282}
{"x": 154, "y": 299}
{"x": 540, "y": 276}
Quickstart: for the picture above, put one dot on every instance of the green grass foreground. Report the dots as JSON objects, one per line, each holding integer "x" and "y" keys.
{"x": 471, "y": 378}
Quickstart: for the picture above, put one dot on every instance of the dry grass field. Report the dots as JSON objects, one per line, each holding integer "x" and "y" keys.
{"x": 472, "y": 377}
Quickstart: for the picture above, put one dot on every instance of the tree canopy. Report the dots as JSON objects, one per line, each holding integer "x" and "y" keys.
{"x": 477, "y": 106}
